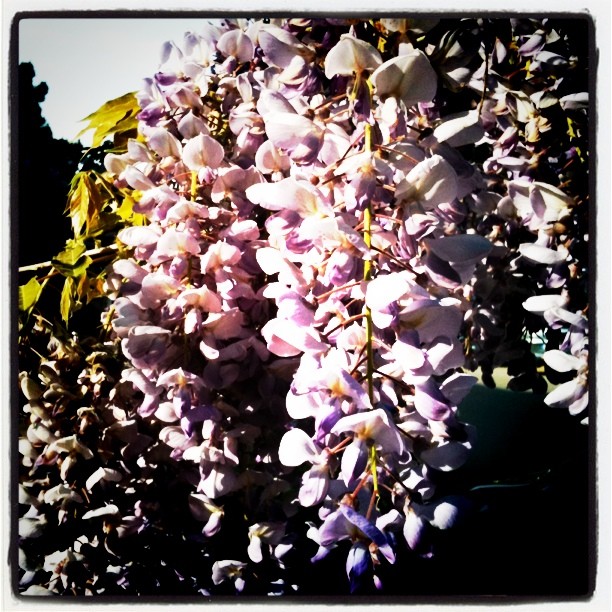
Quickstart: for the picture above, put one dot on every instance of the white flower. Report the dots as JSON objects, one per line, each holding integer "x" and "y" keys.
{"x": 408, "y": 77}
{"x": 351, "y": 55}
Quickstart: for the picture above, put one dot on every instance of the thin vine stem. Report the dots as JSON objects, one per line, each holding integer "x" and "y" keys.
{"x": 107, "y": 250}
{"x": 367, "y": 275}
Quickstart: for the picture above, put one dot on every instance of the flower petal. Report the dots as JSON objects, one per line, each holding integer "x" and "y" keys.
{"x": 354, "y": 461}
{"x": 541, "y": 254}
{"x": 460, "y": 129}
{"x": 297, "y": 136}
{"x": 203, "y": 151}
{"x": 280, "y": 46}
{"x": 286, "y": 339}
{"x": 163, "y": 142}
{"x": 384, "y": 290}
{"x": 431, "y": 182}
{"x": 563, "y": 395}
{"x": 370, "y": 530}
{"x": 315, "y": 484}
{"x": 296, "y": 447}
{"x": 358, "y": 562}
{"x": 408, "y": 77}
{"x": 138, "y": 236}
{"x": 560, "y": 361}
{"x": 237, "y": 44}
{"x": 351, "y": 55}
{"x": 429, "y": 401}
{"x": 414, "y": 527}
{"x": 288, "y": 194}
{"x": 109, "y": 510}
{"x": 457, "y": 387}
{"x": 539, "y": 304}
{"x": 103, "y": 473}
{"x": 446, "y": 457}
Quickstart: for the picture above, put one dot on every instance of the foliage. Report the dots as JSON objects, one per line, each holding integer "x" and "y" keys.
{"x": 114, "y": 118}
{"x": 318, "y": 229}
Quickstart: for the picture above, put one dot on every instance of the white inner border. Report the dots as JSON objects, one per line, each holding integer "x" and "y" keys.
{"x": 601, "y": 12}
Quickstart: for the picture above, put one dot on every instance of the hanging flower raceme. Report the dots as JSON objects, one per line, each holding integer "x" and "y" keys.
{"x": 313, "y": 260}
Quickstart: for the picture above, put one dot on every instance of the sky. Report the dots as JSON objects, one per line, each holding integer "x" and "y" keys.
{"x": 86, "y": 62}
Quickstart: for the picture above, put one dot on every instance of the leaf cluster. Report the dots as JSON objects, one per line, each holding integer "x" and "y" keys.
{"x": 97, "y": 210}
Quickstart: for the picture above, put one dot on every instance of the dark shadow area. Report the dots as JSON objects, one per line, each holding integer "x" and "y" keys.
{"x": 45, "y": 168}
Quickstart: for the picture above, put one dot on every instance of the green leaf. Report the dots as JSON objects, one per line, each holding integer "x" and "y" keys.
{"x": 104, "y": 222}
{"x": 113, "y": 117}
{"x": 72, "y": 261}
{"x": 71, "y": 254}
{"x": 67, "y": 300}
{"x": 29, "y": 294}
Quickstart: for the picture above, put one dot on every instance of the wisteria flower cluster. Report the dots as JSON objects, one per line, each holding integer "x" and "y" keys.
{"x": 291, "y": 327}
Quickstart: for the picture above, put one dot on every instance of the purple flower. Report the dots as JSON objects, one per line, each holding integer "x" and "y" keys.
{"x": 295, "y": 135}
{"x": 148, "y": 346}
{"x": 345, "y": 523}
{"x": 358, "y": 564}
{"x": 280, "y": 46}
{"x": 202, "y": 151}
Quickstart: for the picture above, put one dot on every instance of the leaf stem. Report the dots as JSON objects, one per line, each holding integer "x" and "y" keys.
{"x": 359, "y": 486}
{"x": 343, "y": 323}
{"x": 323, "y": 296}
{"x": 397, "y": 260}
{"x": 340, "y": 446}
{"x": 373, "y": 499}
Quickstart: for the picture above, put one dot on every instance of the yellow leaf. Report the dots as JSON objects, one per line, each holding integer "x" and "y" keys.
{"x": 125, "y": 211}
{"x": 29, "y": 294}
{"x": 113, "y": 117}
{"x": 71, "y": 254}
{"x": 88, "y": 195}
{"x": 72, "y": 261}
{"x": 78, "y": 202}
{"x": 67, "y": 301}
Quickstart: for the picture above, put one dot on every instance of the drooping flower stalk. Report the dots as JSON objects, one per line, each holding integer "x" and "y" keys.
{"x": 373, "y": 470}
{"x": 367, "y": 268}
{"x": 194, "y": 185}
